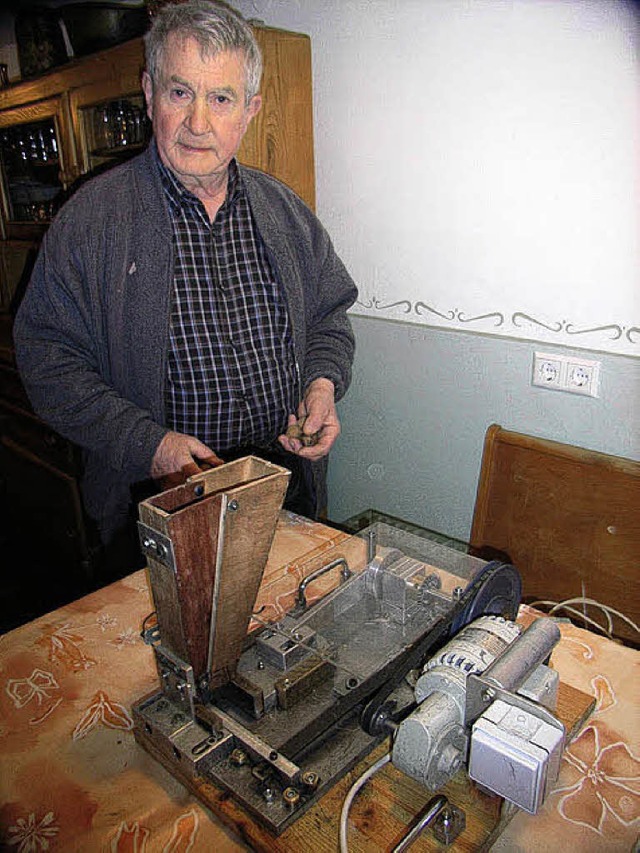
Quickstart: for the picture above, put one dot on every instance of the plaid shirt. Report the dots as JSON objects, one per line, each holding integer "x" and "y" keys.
{"x": 232, "y": 377}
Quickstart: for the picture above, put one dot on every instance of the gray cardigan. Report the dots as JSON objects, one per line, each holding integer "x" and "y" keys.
{"x": 91, "y": 334}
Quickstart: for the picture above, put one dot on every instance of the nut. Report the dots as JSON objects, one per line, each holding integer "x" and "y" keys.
{"x": 310, "y": 779}
{"x": 291, "y": 796}
{"x": 238, "y": 757}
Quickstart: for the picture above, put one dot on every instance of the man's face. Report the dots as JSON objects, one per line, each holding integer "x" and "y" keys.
{"x": 198, "y": 109}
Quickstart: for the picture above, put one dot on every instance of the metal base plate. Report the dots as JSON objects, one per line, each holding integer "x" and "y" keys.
{"x": 192, "y": 753}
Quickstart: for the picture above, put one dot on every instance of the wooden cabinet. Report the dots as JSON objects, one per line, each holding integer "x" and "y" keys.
{"x": 54, "y": 130}
{"x": 38, "y": 162}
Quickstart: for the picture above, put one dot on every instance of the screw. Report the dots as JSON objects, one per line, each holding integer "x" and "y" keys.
{"x": 233, "y": 505}
{"x": 457, "y": 593}
{"x": 488, "y": 695}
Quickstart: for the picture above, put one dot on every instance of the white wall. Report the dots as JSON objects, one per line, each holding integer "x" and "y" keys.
{"x": 476, "y": 156}
{"x": 477, "y": 160}
{"x": 414, "y": 420}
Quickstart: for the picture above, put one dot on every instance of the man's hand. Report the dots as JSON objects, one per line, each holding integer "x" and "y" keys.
{"x": 175, "y": 458}
{"x": 319, "y": 410}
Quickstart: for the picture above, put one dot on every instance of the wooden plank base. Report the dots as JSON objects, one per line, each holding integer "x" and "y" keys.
{"x": 385, "y": 807}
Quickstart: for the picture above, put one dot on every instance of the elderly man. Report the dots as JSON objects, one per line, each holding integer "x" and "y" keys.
{"x": 185, "y": 308}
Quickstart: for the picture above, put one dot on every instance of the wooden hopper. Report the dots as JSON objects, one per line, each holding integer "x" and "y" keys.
{"x": 207, "y": 543}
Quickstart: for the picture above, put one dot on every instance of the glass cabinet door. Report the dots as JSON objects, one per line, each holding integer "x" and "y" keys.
{"x": 109, "y": 128}
{"x": 37, "y": 163}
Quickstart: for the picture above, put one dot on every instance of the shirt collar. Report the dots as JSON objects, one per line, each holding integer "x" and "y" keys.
{"x": 180, "y": 196}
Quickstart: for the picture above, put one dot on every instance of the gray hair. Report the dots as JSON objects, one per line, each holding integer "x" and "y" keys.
{"x": 215, "y": 26}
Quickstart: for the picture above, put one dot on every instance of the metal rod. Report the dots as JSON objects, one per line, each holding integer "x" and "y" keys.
{"x": 425, "y": 817}
{"x": 372, "y": 539}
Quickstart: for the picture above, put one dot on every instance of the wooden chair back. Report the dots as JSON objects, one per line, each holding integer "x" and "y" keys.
{"x": 567, "y": 518}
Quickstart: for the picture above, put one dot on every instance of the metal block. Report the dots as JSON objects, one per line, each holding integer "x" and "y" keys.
{"x": 284, "y": 648}
{"x": 542, "y": 686}
{"x": 195, "y": 748}
{"x": 177, "y": 677}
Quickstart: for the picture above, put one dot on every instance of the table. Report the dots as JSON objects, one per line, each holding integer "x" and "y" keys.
{"x": 72, "y": 777}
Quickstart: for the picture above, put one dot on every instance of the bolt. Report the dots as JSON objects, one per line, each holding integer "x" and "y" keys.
{"x": 233, "y": 505}
{"x": 488, "y": 695}
{"x": 260, "y": 664}
{"x": 268, "y": 794}
{"x": 457, "y": 593}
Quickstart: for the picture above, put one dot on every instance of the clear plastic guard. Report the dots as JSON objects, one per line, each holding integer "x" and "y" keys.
{"x": 462, "y": 568}
{"x": 401, "y": 586}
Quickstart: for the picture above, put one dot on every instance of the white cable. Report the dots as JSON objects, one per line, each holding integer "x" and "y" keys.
{"x": 555, "y": 606}
{"x": 606, "y": 610}
{"x": 353, "y": 791}
{"x": 564, "y": 605}
{"x": 580, "y": 615}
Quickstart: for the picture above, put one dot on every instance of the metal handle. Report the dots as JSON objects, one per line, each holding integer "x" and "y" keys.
{"x": 426, "y": 816}
{"x": 345, "y": 573}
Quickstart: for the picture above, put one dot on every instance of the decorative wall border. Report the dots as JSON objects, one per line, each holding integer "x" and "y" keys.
{"x": 510, "y": 324}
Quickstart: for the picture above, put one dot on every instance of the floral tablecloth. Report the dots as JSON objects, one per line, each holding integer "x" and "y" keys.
{"x": 72, "y": 777}
{"x": 595, "y": 804}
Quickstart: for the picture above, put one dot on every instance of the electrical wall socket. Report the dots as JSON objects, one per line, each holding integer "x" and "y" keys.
{"x": 566, "y": 373}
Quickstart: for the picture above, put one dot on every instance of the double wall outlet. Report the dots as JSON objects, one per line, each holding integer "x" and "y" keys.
{"x": 566, "y": 373}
